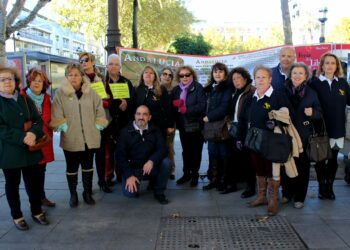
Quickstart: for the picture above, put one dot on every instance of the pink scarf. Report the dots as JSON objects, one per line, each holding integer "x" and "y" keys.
{"x": 184, "y": 89}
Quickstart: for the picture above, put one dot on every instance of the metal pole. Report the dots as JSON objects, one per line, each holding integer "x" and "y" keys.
{"x": 113, "y": 32}
{"x": 323, "y": 22}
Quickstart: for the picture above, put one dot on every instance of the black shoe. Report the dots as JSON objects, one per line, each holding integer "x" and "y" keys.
{"x": 110, "y": 183}
{"x": 40, "y": 219}
{"x": 73, "y": 201}
{"x": 249, "y": 192}
{"x": 210, "y": 186}
{"x": 104, "y": 187}
{"x": 229, "y": 189}
{"x": 172, "y": 177}
{"x": 21, "y": 225}
{"x": 221, "y": 187}
{"x": 194, "y": 182}
{"x": 88, "y": 198}
{"x": 183, "y": 179}
{"x": 161, "y": 199}
{"x": 330, "y": 193}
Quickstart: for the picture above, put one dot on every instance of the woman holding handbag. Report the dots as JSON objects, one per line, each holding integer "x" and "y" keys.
{"x": 255, "y": 115}
{"x": 218, "y": 94}
{"x": 334, "y": 94}
{"x": 20, "y": 126}
{"x": 306, "y": 111}
{"x": 37, "y": 84}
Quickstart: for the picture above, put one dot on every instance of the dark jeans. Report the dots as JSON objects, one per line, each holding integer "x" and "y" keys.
{"x": 192, "y": 146}
{"x": 75, "y": 159}
{"x": 296, "y": 188}
{"x": 160, "y": 174}
{"x": 42, "y": 170}
{"x": 100, "y": 159}
{"x": 31, "y": 176}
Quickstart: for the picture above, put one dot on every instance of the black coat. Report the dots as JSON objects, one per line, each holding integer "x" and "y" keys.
{"x": 303, "y": 123}
{"x": 195, "y": 103}
{"x": 218, "y": 101}
{"x": 333, "y": 102}
{"x": 160, "y": 107}
{"x": 134, "y": 149}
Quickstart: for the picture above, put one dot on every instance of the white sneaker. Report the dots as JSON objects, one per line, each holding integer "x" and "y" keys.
{"x": 298, "y": 204}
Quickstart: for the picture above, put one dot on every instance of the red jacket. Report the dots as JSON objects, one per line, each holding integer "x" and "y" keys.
{"x": 46, "y": 116}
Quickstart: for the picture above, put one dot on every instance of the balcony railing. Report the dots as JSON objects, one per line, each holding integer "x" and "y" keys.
{"x": 35, "y": 37}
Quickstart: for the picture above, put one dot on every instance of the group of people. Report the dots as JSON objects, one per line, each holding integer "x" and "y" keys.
{"x": 132, "y": 137}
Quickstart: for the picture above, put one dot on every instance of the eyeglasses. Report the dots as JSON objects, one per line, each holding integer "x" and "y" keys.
{"x": 84, "y": 60}
{"x": 166, "y": 74}
{"x": 7, "y": 79}
{"x": 185, "y": 75}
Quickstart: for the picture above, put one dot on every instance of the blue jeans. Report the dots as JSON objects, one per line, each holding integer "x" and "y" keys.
{"x": 159, "y": 173}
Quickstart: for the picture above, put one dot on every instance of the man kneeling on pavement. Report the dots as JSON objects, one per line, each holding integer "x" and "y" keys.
{"x": 142, "y": 154}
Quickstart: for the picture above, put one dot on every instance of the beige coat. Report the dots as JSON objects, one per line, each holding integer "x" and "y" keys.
{"x": 291, "y": 170}
{"x": 81, "y": 116}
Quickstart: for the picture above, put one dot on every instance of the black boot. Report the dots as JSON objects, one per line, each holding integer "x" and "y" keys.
{"x": 330, "y": 192}
{"x": 87, "y": 184}
{"x": 214, "y": 182}
{"x": 72, "y": 180}
{"x": 104, "y": 187}
{"x": 320, "y": 168}
{"x": 228, "y": 182}
{"x": 185, "y": 178}
{"x": 194, "y": 180}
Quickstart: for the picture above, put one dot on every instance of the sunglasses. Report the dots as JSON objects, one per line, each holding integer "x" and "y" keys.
{"x": 166, "y": 74}
{"x": 185, "y": 75}
{"x": 84, "y": 60}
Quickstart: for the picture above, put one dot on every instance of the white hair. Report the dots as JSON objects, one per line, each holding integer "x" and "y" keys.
{"x": 113, "y": 56}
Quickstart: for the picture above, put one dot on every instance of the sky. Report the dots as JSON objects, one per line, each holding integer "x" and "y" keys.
{"x": 263, "y": 11}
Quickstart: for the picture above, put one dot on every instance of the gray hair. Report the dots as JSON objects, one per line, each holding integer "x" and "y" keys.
{"x": 113, "y": 56}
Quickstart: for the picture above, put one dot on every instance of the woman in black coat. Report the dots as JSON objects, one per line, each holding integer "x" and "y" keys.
{"x": 189, "y": 108}
{"x": 334, "y": 94}
{"x": 306, "y": 111}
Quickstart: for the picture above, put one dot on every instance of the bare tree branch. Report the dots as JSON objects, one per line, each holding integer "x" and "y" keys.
{"x": 16, "y": 9}
{"x": 23, "y": 22}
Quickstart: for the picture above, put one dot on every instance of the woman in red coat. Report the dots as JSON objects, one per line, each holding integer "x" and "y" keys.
{"x": 37, "y": 84}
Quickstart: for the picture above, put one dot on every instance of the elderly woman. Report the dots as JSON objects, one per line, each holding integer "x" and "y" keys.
{"x": 241, "y": 82}
{"x": 166, "y": 80}
{"x": 218, "y": 94}
{"x": 37, "y": 84}
{"x": 307, "y": 110}
{"x": 189, "y": 103}
{"x": 255, "y": 114}
{"x": 78, "y": 114}
{"x": 88, "y": 62}
{"x": 149, "y": 92}
{"x": 20, "y": 127}
{"x": 334, "y": 94}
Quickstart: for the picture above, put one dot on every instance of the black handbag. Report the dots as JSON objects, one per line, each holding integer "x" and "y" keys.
{"x": 192, "y": 126}
{"x": 216, "y": 131}
{"x": 233, "y": 129}
{"x": 318, "y": 148}
{"x": 253, "y": 139}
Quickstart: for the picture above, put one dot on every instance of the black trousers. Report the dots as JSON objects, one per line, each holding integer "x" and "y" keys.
{"x": 192, "y": 146}
{"x": 296, "y": 188}
{"x": 75, "y": 159}
{"x": 100, "y": 159}
{"x": 42, "y": 170}
{"x": 32, "y": 179}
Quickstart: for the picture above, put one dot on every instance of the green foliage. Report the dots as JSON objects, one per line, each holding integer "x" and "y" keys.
{"x": 341, "y": 32}
{"x": 159, "y": 22}
{"x": 190, "y": 44}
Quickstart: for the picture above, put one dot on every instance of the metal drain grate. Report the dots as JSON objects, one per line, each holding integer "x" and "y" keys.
{"x": 216, "y": 233}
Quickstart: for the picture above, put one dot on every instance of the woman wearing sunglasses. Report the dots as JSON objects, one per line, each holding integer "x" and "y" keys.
{"x": 189, "y": 103}
{"x": 88, "y": 63}
{"x": 166, "y": 80}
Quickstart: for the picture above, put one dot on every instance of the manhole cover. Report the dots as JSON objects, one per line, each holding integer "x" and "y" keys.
{"x": 237, "y": 232}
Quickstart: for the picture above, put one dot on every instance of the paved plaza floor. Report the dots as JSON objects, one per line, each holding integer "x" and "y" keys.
{"x": 190, "y": 221}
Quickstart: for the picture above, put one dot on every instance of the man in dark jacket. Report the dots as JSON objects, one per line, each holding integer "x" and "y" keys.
{"x": 142, "y": 154}
{"x": 280, "y": 72}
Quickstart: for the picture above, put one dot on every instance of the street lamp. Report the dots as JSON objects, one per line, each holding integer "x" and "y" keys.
{"x": 113, "y": 32}
{"x": 323, "y": 19}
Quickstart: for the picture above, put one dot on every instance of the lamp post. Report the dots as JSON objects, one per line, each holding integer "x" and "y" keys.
{"x": 323, "y": 19}
{"x": 113, "y": 32}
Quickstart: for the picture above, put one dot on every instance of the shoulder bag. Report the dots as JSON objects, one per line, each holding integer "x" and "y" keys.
{"x": 216, "y": 131}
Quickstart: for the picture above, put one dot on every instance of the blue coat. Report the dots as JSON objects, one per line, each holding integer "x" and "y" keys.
{"x": 277, "y": 79}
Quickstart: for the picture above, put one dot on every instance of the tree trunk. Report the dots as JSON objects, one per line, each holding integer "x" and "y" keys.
{"x": 287, "y": 27}
{"x": 134, "y": 24}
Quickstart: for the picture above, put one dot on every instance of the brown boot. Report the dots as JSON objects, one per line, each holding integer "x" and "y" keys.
{"x": 261, "y": 198}
{"x": 272, "y": 207}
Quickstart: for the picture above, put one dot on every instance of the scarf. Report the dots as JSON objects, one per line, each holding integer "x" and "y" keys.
{"x": 184, "y": 90}
{"x": 91, "y": 76}
{"x": 37, "y": 99}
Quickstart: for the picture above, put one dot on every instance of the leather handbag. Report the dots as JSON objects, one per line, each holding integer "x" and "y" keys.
{"x": 216, "y": 131}
{"x": 253, "y": 139}
{"x": 318, "y": 148}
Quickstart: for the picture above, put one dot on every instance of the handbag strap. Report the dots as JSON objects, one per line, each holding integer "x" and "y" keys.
{"x": 26, "y": 102}
{"x": 323, "y": 131}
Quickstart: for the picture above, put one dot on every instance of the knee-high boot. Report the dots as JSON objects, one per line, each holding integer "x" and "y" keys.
{"x": 273, "y": 187}
{"x": 214, "y": 175}
{"x": 87, "y": 184}
{"x": 261, "y": 198}
{"x": 331, "y": 171}
{"x": 320, "y": 168}
{"x": 72, "y": 179}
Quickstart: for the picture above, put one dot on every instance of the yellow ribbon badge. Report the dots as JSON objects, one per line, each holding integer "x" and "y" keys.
{"x": 341, "y": 92}
{"x": 267, "y": 105}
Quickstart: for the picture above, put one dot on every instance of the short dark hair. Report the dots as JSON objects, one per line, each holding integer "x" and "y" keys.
{"x": 243, "y": 72}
